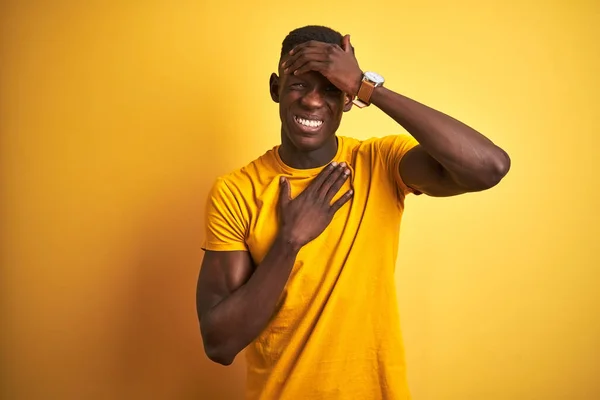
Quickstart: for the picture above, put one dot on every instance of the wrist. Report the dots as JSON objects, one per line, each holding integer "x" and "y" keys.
{"x": 369, "y": 82}
{"x": 378, "y": 95}
{"x": 355, "y": 87}
{"x": 288, "y": 242}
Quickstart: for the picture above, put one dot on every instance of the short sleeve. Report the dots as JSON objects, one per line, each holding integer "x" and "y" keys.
{"x": 225, "y": 222}
{"x": 391, "y": 151}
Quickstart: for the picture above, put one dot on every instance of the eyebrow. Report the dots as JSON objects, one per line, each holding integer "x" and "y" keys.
{"x": 295, "y": 78}
{"x": 299, "y": 77}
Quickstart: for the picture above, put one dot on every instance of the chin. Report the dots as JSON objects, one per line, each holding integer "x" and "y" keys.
{"x": 307, "y": 144}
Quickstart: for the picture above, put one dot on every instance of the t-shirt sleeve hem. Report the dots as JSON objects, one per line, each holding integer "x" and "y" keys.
{"x": 211, "y": 246}
{"x": 404, "y": 188}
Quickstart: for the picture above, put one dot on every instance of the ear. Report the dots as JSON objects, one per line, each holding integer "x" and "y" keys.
{"x": 347, "y": 102}
{"x": 274, "y": 87}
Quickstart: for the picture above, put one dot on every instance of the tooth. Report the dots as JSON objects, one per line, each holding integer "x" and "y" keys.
{"x": 309, "y": 122}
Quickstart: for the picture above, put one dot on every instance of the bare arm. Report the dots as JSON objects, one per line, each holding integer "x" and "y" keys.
{"x": 451, "y": 158}
{"x": 236, "y": 301}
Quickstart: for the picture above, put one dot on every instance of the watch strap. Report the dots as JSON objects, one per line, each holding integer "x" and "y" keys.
{"x": 365, "y": 91}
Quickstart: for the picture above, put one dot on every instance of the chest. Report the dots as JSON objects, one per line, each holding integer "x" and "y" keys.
{"x": 371, "y": 207}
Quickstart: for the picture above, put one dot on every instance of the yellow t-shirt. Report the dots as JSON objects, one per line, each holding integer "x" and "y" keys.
{"x": 336, "y": 332}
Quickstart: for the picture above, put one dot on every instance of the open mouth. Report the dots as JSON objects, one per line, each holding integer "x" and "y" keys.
{"x": 308, "y": 124}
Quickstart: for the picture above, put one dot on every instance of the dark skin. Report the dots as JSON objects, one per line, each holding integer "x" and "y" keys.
{"x": 235, "y": 300}
{"x": 317, "y": 82}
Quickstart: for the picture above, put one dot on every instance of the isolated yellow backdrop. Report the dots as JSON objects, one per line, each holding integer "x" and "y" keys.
{"x": 116, "y": 117}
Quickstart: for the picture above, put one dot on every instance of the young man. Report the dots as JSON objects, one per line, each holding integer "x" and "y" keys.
{"x": 301, "y": 244}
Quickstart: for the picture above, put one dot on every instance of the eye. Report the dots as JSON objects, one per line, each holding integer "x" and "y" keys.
{"x": 297, "y": 85}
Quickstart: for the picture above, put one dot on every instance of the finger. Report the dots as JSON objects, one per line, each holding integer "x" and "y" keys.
{"x": 318, "y": 66}
{"x": 285, "y": 194}
{"x": 296, "y": 61}
{"x": 337, "y": 185}
{"x": 342, "y": 200}
{"x": 346, "y": 44}
{"x": 325, "y": 172}
{"x": 311, "y": 47}
{"x": 308, "y": 52}
{"x": 330, "y": 181}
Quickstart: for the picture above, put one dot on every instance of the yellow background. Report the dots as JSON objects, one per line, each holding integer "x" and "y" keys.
{"x": 116, "y": 117}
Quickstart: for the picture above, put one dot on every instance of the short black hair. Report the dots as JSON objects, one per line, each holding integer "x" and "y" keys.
{"x": 310, "y": 32}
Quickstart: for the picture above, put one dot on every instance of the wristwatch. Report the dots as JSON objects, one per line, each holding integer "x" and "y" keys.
{"x": 369, "y": 82}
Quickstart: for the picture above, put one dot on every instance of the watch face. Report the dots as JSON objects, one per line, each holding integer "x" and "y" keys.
{"x": 374, "y": 77}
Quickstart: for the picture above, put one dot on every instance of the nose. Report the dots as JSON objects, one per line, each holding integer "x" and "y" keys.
{"x": 314, "y": 98}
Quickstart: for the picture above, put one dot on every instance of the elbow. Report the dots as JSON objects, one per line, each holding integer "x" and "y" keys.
{"x": 218, "y": 355}
{"x": 215, "y": 347}
{"x": 497, "y": 168}
{"x": 500, "y": 166}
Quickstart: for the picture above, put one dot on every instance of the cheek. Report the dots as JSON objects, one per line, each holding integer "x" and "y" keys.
{"x": 337, "y": 108}
{"x": 337, "y": 103}
{"x": 288, "y": 99}
{"x": 284, "y": 103}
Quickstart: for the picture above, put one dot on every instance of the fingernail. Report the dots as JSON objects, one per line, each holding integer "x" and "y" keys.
{"x": 351, "y": 191}
{"x": 343, "y": 164}
{"x": 333, "y": 164}
{"x": 282, "y": 179}
{"x": 347, "y": 172}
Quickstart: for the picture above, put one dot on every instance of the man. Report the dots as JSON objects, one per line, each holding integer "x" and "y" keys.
{"x": 301, "y": 243}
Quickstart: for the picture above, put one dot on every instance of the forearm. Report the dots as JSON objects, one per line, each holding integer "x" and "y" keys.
{"x": 468, "y": 157}
{"x": 232, "y": 324}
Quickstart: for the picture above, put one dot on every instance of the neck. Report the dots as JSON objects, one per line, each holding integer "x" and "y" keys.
{"x": 299, "y": 159}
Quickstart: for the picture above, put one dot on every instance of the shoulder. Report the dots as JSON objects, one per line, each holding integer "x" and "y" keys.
{"x": 392, "y": 141}
{"x": 355, "y": 146}
{"x": 242, "y": 180}
{"x": 376, "y": 145}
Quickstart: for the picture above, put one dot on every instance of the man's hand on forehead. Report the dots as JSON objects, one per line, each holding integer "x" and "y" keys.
{"x": 336, "y": 63}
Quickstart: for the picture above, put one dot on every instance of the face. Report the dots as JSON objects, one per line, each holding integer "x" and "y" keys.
{"x": 310, "y": 108}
